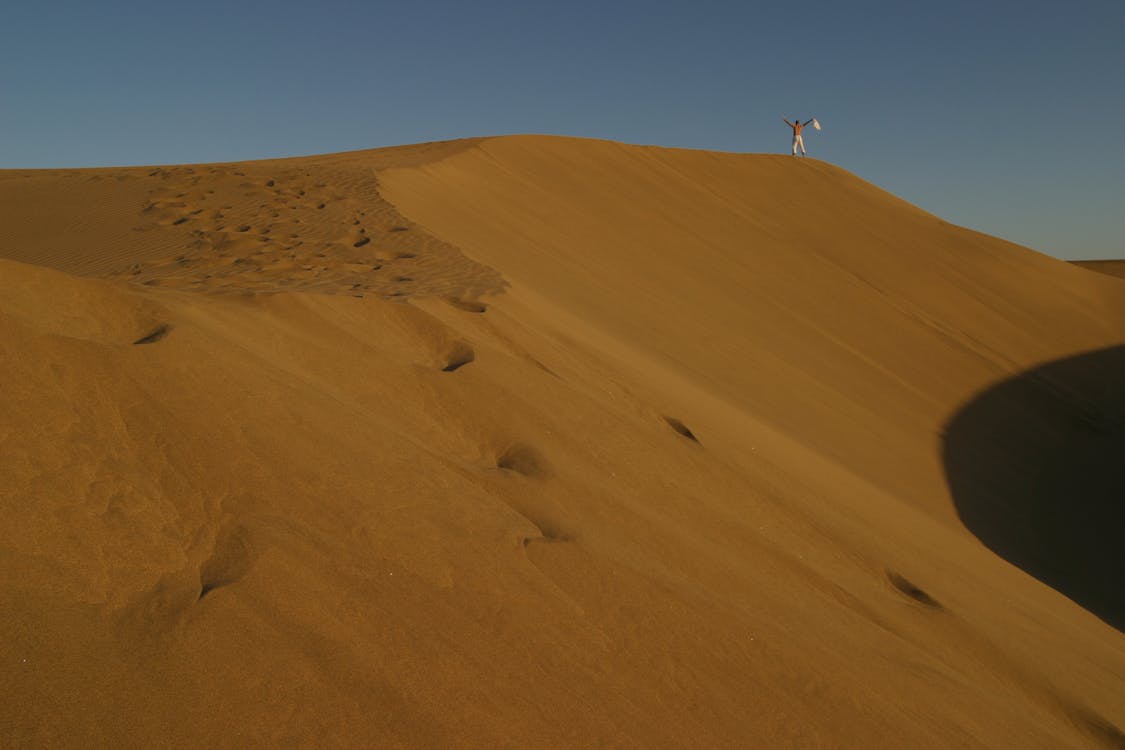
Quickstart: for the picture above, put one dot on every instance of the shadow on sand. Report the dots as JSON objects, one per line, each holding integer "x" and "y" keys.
{"x": 1036, "y": 466}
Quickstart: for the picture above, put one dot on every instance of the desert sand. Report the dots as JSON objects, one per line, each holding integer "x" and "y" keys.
{"x": 537, "y": 442}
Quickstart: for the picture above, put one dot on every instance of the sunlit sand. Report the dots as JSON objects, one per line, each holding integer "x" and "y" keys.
{"x": 524, "y": 442}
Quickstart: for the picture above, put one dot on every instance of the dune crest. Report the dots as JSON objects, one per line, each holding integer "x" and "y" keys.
{"x": 617, "y": 446}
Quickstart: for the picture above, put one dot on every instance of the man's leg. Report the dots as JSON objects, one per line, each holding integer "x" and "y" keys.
{"x": 796, "y": 140}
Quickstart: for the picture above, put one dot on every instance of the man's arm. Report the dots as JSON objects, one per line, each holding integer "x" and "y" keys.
{"x": 809, "y": 120}
{"x": 787, "y": 122}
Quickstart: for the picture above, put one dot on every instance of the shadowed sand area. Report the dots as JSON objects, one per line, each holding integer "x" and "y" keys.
{"x": 1036, "y": 470}
{"x": 533, "y": 442}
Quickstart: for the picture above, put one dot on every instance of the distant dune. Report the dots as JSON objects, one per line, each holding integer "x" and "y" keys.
{"x": 1110, "y": 267}
{"x": 545, "y": 442}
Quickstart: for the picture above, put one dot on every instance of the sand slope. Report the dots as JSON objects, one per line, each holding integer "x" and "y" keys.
{"x": 587, "y": 445}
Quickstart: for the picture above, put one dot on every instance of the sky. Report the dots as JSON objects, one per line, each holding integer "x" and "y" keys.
{"x": 1002, "y": 116}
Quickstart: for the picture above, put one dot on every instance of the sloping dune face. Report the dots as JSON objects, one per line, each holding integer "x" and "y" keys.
{"x": 844, "y": 316}
{"x": 521, "y": 442}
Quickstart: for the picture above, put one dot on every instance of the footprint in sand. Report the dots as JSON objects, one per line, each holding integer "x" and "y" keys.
{"x": 459, "y": 355}
{"x": 681, "y": 428}
{"x": 911, "y": 591}
{"x": 154, "y": 335}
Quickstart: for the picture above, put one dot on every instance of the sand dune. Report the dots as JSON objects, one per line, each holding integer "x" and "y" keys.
{"x": 1108, "y": 267}
{"x": 532, "y": 442}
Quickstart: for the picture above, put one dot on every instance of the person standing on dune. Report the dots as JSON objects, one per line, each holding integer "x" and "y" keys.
{"x": 798, "y": 126}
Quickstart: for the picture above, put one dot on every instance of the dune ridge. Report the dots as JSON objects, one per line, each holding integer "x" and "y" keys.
{"x": 617, "y": 446}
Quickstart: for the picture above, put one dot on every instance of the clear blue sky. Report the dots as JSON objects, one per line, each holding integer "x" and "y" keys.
{"x": 1000, "y": 115}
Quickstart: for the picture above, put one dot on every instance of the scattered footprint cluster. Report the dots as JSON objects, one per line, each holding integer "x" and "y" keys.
{"x": 247, "y": 228}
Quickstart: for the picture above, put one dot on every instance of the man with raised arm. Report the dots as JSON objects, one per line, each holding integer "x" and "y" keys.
{"x": 797, "y": 126}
